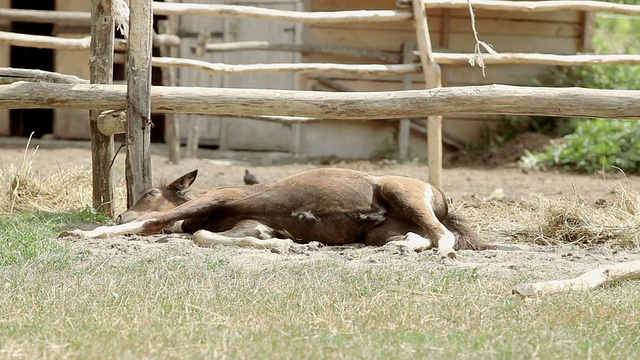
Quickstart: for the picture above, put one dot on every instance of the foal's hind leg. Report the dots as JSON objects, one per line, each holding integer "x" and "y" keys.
{"x": 249, "y": 233}
{"x": 413, "y": 201}
{"x": 395, "y": 232}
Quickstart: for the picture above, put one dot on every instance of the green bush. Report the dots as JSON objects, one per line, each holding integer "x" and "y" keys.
{"x": 597, "y": 144}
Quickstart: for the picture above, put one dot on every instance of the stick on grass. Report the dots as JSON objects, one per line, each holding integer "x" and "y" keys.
{"x": 590, "y": 280}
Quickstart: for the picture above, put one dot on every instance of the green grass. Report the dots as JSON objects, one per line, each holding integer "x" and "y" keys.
{"x": 58, "y": 303}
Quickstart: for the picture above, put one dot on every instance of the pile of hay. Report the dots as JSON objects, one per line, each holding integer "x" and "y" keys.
{"x": 614, "y": 220}
{"x": 569, "y": 219}
{"x": 24, "y": 190}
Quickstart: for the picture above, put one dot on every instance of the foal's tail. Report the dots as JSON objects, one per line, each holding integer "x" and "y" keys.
{"x": 466, "y": 237}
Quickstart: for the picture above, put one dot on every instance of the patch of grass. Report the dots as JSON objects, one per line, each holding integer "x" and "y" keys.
{"x": 177, "y": 307}
{"x": 23, "y": 236}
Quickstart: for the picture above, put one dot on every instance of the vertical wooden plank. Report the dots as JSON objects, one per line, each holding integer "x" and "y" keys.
{"x": 404, "y": 130}
{"x": 445, "y": 29}
{"x": 432, "y": 79}
{"x": 170, "y": 78}
{"x": 101, "y": 70}
{"x": 138, "y": 162}
{"x": 5, "y": 61}
{"x": 589, "y": 25}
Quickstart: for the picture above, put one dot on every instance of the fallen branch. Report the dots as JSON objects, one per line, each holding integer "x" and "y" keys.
{"x": 589, "y": 280}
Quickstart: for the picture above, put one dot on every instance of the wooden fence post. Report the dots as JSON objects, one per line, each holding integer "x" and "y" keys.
{"x": 101, "y": 68}
{"x": 432, "y": 79}
{"x": 138, "y": 162}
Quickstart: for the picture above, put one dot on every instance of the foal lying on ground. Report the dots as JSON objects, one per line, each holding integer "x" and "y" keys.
{"x": 331, "y": 206}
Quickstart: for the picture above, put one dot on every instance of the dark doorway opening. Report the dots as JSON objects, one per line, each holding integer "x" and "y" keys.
{"x": 25, "y": 121}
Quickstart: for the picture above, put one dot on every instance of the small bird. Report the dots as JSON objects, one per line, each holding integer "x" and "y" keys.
{"x": 249, "y": 178}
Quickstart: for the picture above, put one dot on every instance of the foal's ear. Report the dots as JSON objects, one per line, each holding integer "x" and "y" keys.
{"x": 182, "y": 183}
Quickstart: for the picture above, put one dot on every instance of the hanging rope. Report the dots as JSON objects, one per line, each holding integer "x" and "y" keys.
{"x": 476, "y": 58}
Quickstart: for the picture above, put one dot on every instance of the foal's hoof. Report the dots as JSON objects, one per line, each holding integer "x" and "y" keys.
{"x": 447, "y": 254}
{"x": 72, "y": 233}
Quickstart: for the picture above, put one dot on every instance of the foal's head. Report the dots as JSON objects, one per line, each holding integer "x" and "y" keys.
{"x": 160, "y": 198}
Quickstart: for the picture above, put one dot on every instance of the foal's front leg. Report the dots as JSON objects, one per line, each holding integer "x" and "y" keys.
{"x": 247, "y": 233}
{"x": 149, "y": 224}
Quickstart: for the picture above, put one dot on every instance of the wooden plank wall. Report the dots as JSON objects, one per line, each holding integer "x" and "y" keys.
{"x": 5, "y": 60}
{"x": 72, "y": 123}
{"x": 248, "y": 134}
{"x": 189, "y": 28}
{"x": 236, "y": 133}
{"x": 557, "y": 32}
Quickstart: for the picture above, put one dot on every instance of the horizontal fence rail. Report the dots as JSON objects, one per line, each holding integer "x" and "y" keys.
{"x": 532, "y": 6}
{"x": 488, "y": 99}
{"x": 159, "y": 8}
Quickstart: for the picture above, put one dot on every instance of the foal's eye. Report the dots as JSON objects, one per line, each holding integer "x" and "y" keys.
{"x": 153, "y": 192}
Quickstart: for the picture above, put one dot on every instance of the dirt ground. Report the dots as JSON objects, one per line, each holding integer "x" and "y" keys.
{"x": 499, "y": 181}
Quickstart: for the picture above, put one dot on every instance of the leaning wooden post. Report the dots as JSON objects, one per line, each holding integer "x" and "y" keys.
{"x": 432, "y": 79}
{"x": 101, "y": 68}
{"x": 138, "y": 162}
{"x": 404, "y": 128}
{"x": 170, "y": 78}
{"x": 193, "y": 135}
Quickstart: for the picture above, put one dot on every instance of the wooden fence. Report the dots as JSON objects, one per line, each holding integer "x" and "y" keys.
{"x": 410, "y": 104}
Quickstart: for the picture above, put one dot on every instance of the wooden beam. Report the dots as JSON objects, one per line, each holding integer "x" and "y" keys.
{"x": 45, "y": 16}
{"x": 384, "y": 56}
{"x": 113, "y": 122}
{"x": 368, "y": 16}
{"x": 432, "y": 79}
{"x": 532, "y": 6}
{"x": 101, "y": 72}
{"x": 84, "y": 43}
{"x": 347, "y": 69}
{"x": 138, "y": 161}
{"x": 537, "y": 59}
{"x": 485, "y": 99}
{"x": 74, "y": 17}
{"x": 45, "y": 42}
{"x": 10, "y": 75}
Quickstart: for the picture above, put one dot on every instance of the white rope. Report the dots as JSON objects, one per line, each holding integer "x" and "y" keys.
{"x": 121, "y": 16}
{"x": 476, "y": 58}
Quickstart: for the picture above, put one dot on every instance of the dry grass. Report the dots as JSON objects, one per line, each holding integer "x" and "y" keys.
{"x": 612, "y": 221}
{"x": 568, "y": 219}
{"x": 24, "y": 189}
